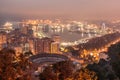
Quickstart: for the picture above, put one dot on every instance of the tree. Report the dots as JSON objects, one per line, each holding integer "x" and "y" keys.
{"x": 12, "y": 68}
{"x": 85, "y": 74}
{"x": 59, "y": 71}
{"x": 103, "y": 70}
{"x": 114, "y": 54}
{"x": 48, "y": 74}
{"x": 64, "y": 69}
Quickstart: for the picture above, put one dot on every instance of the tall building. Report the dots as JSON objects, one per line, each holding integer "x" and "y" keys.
{"x": 31, "y": 45}
{"x": 55, "y": 47}
{"x": 3, "y": 39}
{"x": 56, "y": 38}
{"x": 103, "y": 26}
{"x": 47, "y": 44}
{"x": 26, "y": 47}
{"x": 24, "y": 29}
{"x": 38, "y": 45}
{"x": 43, "y": 45}
{"x": 46, "y": 28}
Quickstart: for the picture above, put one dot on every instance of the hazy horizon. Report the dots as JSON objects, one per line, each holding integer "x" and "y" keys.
{"x": 74, "y": 9}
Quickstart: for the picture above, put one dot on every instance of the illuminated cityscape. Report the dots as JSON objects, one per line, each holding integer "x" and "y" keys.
{"x": 35, "y": 34}
{"x": 59, "y": 40}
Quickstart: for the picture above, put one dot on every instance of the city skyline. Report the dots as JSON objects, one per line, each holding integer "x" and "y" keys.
{"x": 59, "y": 40}
{"x": 78, "y": 9}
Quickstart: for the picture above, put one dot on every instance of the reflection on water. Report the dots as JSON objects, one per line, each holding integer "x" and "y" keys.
{"x": 67, "y": 36}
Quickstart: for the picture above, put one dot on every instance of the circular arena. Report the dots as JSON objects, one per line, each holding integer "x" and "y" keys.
{"x": 48, "y": 58}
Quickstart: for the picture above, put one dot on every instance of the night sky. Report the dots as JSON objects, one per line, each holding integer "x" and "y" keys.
{"x": 76, "y": 9}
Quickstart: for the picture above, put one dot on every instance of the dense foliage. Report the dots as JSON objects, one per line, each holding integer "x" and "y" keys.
{"x": 108, "y": 70}
{"x": 104, "y": 70}
{"x": 66, "y": 71}
{"x": 12, "y": 67}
